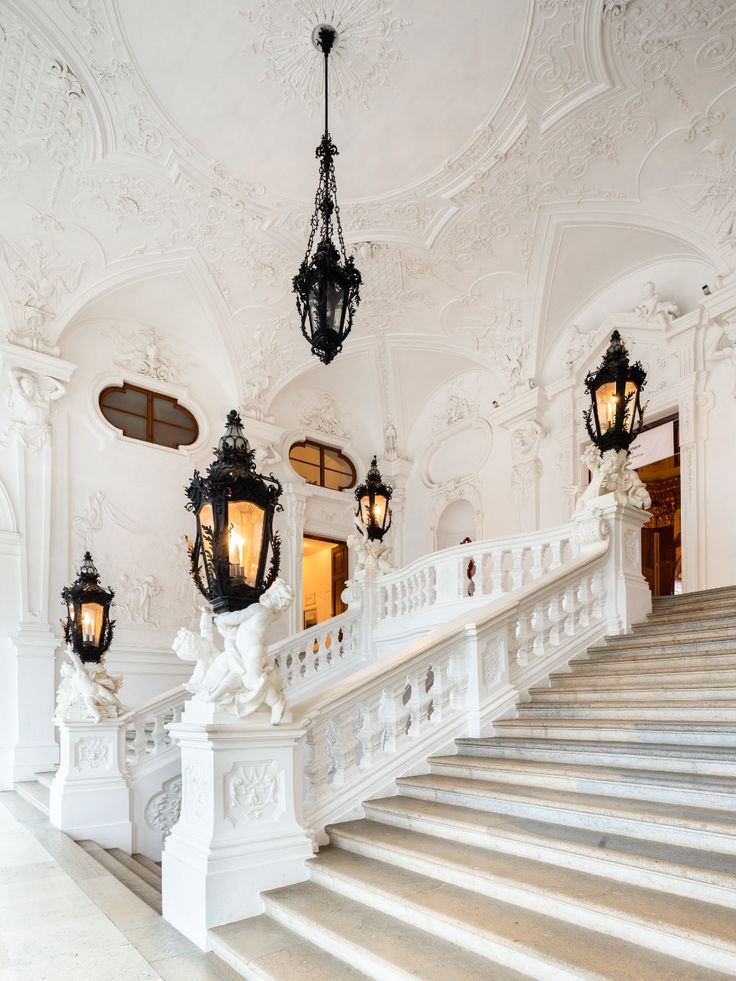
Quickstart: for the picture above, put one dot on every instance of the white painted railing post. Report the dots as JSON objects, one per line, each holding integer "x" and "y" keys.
{"x": 90, "y": 796}
{"x": 449, "y": 582}
{"x": 240, "y": 830}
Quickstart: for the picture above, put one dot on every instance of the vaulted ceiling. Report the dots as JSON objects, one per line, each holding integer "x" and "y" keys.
{"x": 504, "y": 164}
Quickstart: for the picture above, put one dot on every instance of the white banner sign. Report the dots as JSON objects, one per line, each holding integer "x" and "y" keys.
{"x": 652, "y": 445}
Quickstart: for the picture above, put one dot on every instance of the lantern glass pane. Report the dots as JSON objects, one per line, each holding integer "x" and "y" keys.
{"x": 607, "y": 401}
{"x": 245, "y": 536}
{"x": 630, "y": 396}
{"x": 206, "y": 520}
{"x": 373, "y": 512}
{"x": 92, "y": 614}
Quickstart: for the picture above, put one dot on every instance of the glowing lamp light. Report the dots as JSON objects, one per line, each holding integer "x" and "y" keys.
{"x": 616, "y": 414}
{"x": 373, "y": 511}
{"x": 88, "y": 627}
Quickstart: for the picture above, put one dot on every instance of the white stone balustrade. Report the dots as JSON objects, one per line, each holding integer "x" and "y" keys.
{"x": 328, "y": 650}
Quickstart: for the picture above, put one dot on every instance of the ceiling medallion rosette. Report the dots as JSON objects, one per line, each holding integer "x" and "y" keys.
{"x": 327, "y": 285}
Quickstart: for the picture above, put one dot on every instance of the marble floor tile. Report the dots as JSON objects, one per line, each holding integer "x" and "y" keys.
{"x": 158, "y": 940}
{"x": 117, "y": 902}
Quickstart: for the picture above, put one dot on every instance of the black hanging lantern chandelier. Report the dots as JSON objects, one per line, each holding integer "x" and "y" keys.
{"x": 373, "y": 509}
{"x": 327, "y": 285}
{"x": 88, "y": 627}
{"x": 616, "y": 414}
{"x": 234, "y": 507}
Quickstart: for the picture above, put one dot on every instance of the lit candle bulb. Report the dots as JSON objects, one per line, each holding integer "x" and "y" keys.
{"x": 87, "y": 628}
{"x": 236, "y": 544}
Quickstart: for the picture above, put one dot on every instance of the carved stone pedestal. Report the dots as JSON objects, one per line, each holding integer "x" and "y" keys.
{"x": 90, "y": 797}
{"x": 240, "y": 830}
{"x": 629, "y": 597}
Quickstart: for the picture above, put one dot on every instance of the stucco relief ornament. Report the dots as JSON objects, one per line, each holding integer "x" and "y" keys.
{"x": 611, "y": 472}
{"x": 146, "y": 352}
{"x": 29, "y": 401}
{"x": 652, "y": 309}
{"x": 241, "y": 679}
{"x": 87, "y": 693}
{"x": 372, "y": 556}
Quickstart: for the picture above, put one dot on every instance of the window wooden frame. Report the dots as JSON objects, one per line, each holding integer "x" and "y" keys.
{"x": 151, "y": 397}
{"x": 322, "y": 447}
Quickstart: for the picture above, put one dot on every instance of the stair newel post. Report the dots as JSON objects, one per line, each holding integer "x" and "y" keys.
{"x": 90, "y": 794}
{"x": 628, "y": 597}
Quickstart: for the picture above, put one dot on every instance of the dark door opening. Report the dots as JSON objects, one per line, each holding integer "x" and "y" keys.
{"x": 661, "y": 544}
{"x": 324, "y": 572}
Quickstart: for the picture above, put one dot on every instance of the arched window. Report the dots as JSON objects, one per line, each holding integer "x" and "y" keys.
{"x": 148, "y": 416}
{"x": 322, "y": 465}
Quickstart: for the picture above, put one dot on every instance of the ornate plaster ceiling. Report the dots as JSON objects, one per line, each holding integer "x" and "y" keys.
{"x": 503, "y": 165}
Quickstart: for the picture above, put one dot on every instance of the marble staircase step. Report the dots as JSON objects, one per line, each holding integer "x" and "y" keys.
{"x": 130, "y": 876}
{"x": 681, "y": 732}
{"x": 148, "y": 863}
{"x": 684, "y": 626}
{"x": 717, "y": 793}
{"x": 262, "y": 948}
{"x": 689, "y": 826}
{"x": 704, "y": 616}
{"x": 45, "y": 778}
{"x": 678, "y": 710}
{"x": 345, "y": 887}
{"x": 635, "y": 664}
{"x": 673, "y": 869}
{"x": 35, "y": 793}
{"x": 700, "y": 932}
{"x": 714, "y": 761}
{"x": 583, "y": 692}
{"x": 675, "y": 678}
{"x": 133, "y": 864}
{"x": 702, "y": 597}
{"x": 664, "y": 644}
{"x": 379, "y": 943}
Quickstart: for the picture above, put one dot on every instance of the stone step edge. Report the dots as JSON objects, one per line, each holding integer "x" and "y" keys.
{"x": 34, "y": 793}
{"x": 685, "y": 673}
{"x": 585, "y": 911}
{"x": 690, "y": 881}
{"x": 692, "y": 752}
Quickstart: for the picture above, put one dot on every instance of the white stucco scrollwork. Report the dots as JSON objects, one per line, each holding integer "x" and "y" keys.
{"x": 251, "y": 792}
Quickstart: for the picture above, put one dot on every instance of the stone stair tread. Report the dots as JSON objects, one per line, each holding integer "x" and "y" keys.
{"x": 699, "y": 691}
{"x": 692, "y": 817}
{"x": 582, "y": 770}
{"x": 153, "y": 879}
{"x": 379, "y": 943}
{"x": 686, "y": 672}
{"x": 608, "y": 658}
{"x": 261, "y": 947}
{"x": 498, "y": 929}
{"x": 35, "y": 793}
{"x": 652, "y": 750}
{"x": 45, "y": 778}
{"x": 493, "y": 828}
{"x": 542, "y": 883}
{"x": 127, "y": 876}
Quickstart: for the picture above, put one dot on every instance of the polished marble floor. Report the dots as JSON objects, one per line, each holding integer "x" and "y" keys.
{"x": 65, "y": 918}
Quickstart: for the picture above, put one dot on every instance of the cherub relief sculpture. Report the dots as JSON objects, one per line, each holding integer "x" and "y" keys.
{"x": 240, "y": 679}
{"x": 612, "y": 472}
{"x": 372, "y": 557}
{"x": 653, "y": 309}
{"x": 87, "y": 692}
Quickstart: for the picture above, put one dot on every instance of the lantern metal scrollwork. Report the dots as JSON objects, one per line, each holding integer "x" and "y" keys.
{"x": 88, "y": 627}
{"x": 327, "y": 285}
{"x": 373, "y": 511}
{"x": 616, "y": 414}
{"x": 234, "y": 507}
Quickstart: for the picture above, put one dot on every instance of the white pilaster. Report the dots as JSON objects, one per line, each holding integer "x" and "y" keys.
{"x": 629, "y": 596}
{"x": 240, "y": 830}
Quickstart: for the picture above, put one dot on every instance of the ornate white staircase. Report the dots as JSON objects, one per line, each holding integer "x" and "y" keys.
{"x": 592, "y": 836}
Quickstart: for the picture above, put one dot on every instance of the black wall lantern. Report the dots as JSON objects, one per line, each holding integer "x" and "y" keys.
{"x": 327, "y": 285}
{"x": 234, "y": 507}
{"x": 88, "y": 627}
{"x": 615, "y": 416}
{"x": 373, "y": 511}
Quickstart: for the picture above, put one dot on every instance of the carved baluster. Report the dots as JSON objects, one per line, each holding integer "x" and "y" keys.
{"x": 586, "y": 601}
{"x": 554, "y": 611}
{"x": 481, "y": 580}
{"x": 570, "y": 607}
{"x": 140, "y": 740}
{"x": 159, "y": 735}
{"x": 394, "y": 715}
{"x": 517, "y": 568}
{"x": 525, "y": 637}
{"x": 537, "y": 570}
{"x": 457, "y": 681}
{"x": 370, "y": 735}
{"x": 176, "y": 713}
{"x": 598, "y": 590}
{"x": 555, "y": 548}
{"x": 318, "y": 763}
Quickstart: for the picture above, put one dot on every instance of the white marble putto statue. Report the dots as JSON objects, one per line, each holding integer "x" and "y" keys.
{"x": 372, "y": 557}
{"x": 611, "y": 472}
{"x": 87, "y": 693}
{"x": 241, "y": 679}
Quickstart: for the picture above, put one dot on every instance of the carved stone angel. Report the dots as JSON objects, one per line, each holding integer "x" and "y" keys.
{"x": 612, "y": 472}
{"x": 87, "y": 691}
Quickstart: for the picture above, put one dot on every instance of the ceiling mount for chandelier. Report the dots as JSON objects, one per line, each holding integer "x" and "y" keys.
{"x": 327, "y": 285}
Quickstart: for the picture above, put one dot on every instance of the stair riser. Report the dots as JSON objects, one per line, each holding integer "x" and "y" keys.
{"x": 630, "y": 789}
{"x": 626, "y": 665}
{"x": 604, "y": 757}
{"x": 674, "y": 834}
{"x": 644, "y": 712}
{"x": 37, "y": 801}
{"x": 647, "y": 645}
{"x": 678, "y": 736}
{"x": 564, "y": 696}
{"x": 683, "y": 627}
{"x": 685, "y": 677}
{"x": 453, "y": 931}
{"x": 696, "y": 619}
{"x": 680, "y": 882}
{"x": 646, "y": 934}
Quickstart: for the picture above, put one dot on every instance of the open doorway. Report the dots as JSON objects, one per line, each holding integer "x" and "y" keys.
{"x": 324, "y": 571}
{"x": 656, "y": 457}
